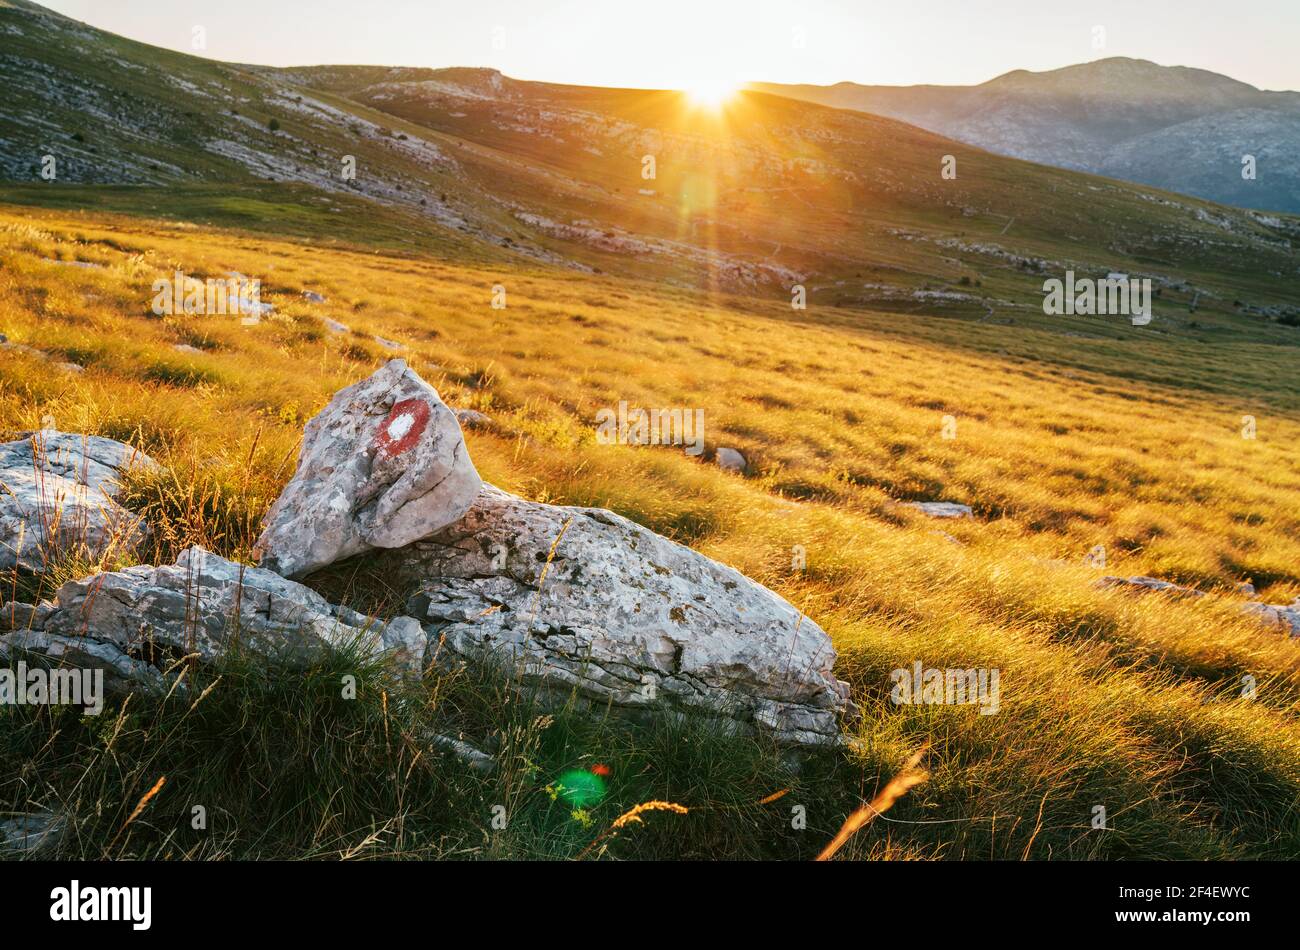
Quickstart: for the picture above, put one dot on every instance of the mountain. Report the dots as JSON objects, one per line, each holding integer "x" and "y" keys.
{"x": 1171, "y": 126}
{"x": 765, "y": 194}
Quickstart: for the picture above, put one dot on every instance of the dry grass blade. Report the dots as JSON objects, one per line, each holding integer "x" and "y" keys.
{"x": 139, "y": 807}
{"x": 629, "y": 817}
{"x": 896, "y": 788}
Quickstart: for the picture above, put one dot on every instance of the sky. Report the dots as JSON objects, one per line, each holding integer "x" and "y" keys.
{"x": 675, "y": 43}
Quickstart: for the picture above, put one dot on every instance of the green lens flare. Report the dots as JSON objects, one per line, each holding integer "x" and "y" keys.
{"x": 580, "y": 788}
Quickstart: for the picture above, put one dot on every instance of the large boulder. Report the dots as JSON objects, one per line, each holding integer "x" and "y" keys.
{"x": 58, "y": 495}
{"x": 384, "y": 464}
{"x": 581, "y": 600}
{"x": 133, "y": 623}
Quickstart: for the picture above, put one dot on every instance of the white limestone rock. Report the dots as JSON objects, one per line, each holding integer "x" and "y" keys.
{"x": 132, "y": 623}
{"x": 384, "y": 464}
{"x": 621, "y": 616}
{"x": 58, "y": 494}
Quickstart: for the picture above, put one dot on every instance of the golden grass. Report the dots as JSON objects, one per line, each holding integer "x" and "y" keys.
{"x": 1061, "y": 445}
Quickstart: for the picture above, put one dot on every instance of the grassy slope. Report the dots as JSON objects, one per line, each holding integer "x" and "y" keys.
{"x": 1131, "y": 441}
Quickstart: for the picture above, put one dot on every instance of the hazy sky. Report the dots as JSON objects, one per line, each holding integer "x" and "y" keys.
{"x": 669, "y": 43}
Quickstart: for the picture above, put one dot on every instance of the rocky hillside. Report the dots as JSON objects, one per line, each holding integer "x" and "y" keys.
{"x": 1171, "y": 126}
{"x": 764, "y": 195}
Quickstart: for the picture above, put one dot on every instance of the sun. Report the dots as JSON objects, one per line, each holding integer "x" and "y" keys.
{"x": 711, "y": 93}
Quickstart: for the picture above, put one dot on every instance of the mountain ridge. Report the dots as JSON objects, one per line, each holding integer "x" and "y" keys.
{"x": 1084, "y": 115}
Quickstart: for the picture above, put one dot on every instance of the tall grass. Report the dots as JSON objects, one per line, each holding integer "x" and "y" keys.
{"x": 1134, "y": 704}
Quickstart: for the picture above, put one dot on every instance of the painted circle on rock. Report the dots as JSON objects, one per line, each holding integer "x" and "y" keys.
{"x": 402, "y": 427}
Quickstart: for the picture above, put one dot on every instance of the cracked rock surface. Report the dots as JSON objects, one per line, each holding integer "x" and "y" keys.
{"x": 58, "y": 492}
{"x": 622, "y": 616}
{"x": 133, "y": 623}
{"x": 382, "y": 465}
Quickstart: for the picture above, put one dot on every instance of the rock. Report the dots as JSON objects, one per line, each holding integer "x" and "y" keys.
{"x": 1277, "y": 615}
{"x": 1140, "y": 584}
{"x": 71, "y": 367}
{"x": 388, "y": 344}
{"x": 382, "y": 465}
{"x": 1246, "y": 589}
{"x": 28, "y": 834}
{"x": 133, "y": 623}
{"x": 25, "y": 349}
{"x": 185, "y": 348}
{"x": 942, "y": 509}
{"x": 729, "y": 460}
{"x": 620, "y": 616}
{"x": 59, "y": 496}
{"x": 475, "y": 758}
{"x": 335, "y": 327}
{"x": 312, "y": 297}
{"x": 472, "y": 419}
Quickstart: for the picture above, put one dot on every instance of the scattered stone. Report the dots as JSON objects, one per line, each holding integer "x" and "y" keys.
{"x": 335, "y": 327}
{"x": 24, "y": 348}
{"x": 58, "y": 493}
{"x": 91, "y": 265}
{"x": 583, "y": 601}
{"x": 472, "y": 419}
{"x": 942, "y": 509}
{"x": 1277, "y": 615}
{"x": 729, "y": 460}
{"x": 476, "y": 759}
{"x": 312, "y": 297}
{"x": 28, "y": 834}
{"x": 71, "y": 367}
{"x": 1140, "y": 584}
{"x": 185, "y": 348}
{"x": 382, "y": 465}
{"x": 388, "y": 344}
{"x": 203, "y": 604}
{"x": 1246, "y": 589}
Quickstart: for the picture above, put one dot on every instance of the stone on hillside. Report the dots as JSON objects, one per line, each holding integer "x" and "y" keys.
{"x": 312, "y": 297}
{"x": 335, "y": 327}
{"x": 942, "y": 509}
{"x": 388, "y": 344}
{"x": 202, "y": 604}
{"x": 382, "y": 465}
{"x": 1277, "y": 615}
{"x": 729, "y": 460}
{"x": 472, "y": 419}
{"x": 582, "y": 600}
{"x": 1141, "y": 584}
{"x": 58, "y": 494}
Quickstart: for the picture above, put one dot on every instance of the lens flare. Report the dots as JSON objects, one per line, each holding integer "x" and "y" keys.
{"x": 580, "y": 788}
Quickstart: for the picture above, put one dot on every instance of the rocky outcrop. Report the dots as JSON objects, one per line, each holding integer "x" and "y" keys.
{"x": 133, "y": 623}
{"x": 58, "y": 495}
{"x": 382, "y": 465}
{"x": 583, "y": 601}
